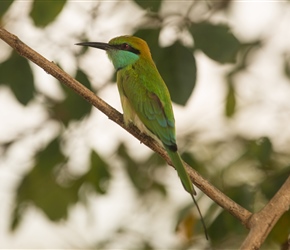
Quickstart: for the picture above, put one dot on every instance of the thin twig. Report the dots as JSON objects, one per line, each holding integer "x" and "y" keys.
{"x": 221, "y": 199}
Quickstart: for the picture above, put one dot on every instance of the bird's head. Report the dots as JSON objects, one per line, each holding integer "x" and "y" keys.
{"x": 123, "y": 50}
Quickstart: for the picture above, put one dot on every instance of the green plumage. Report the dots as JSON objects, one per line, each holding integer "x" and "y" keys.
{"x": 150, "y": 100}
{"x": 145, "y": 97}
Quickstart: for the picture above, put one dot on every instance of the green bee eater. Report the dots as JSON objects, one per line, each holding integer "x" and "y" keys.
{"x": 144, "y": 96}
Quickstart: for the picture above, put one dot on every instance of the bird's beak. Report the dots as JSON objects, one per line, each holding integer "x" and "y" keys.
{"x": 104, "y": 46}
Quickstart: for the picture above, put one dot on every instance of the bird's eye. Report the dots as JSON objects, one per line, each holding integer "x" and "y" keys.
{"x": 125, "y": 46}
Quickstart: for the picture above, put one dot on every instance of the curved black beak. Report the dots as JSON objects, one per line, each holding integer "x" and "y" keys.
{"x": 104, "y": 46}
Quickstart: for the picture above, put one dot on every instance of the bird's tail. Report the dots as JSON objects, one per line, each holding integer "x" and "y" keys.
{"x": 186, "y": 182}
{"x": 177, "y": 163}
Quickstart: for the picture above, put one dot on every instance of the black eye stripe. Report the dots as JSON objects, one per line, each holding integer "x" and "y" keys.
{"x": 135, "y": 51}
{"x": 127, "y": 47}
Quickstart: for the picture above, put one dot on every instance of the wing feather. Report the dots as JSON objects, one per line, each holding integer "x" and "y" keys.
{"x": 151, "y": 112}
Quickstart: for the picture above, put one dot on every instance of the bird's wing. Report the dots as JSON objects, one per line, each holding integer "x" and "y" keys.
{"x": 158, "y": 121}
{"x": 155, "y": 115}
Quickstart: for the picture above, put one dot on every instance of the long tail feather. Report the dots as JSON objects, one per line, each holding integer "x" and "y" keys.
{"x": 177, "y": 162}
{"x": 201, "y": 217}
{"x": 186, "y": 182}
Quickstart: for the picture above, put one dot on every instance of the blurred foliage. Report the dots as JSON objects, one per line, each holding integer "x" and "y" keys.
{"x": 142, "y": 174}
{"x": 72, "y": 107}
{"x": 98, "y": 175}
{"x": 51, "y": 187}
{"x": 216, "y": 41}
{"x": 45, "y": 12}
{"x": 221, "y": 224}
{"x": 4, "y": 7}
{"x": 153, "y": 5}
{"x": 21, "y": 83}
{"x": 230, "y": 101}
{"x": 281, "y": 230}
{"x": 287, "y": 65}
{"x": 188, "y": 224}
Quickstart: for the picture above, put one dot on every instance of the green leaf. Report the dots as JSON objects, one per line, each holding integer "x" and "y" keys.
{"x": 133, "y": 170}
{"x": 273, "y": 182}
{"x": 46, "y": 194}
{"x": 44, "y": 12}
{"x": 287, "y": 65}
{"x": 230, "y": 101}
{"x": 216, "y": 41}
{"x": 151, "y": 36}
{"x": 40, "y": 188}
{"x": 99, "y": 175}
{"x": 243, "y": 194}
{"x": 73, "y": 107}
{"x": 223, "y": 223}
{"x": 281, "y": 230}
{"x": 17, "y": 74}
{"x": 49, "y": 157}
{"x": 83, "y": 78}
{"x": 261, "y": 150}
{"x": 141, "y": 174}
{"x": 265, "y": 150}
{"x": 175, "y": 63}
{"x": 193, "y": 162}
{"x": 153, "y": 5}
{"x": 4, "y": 7}
{"x": 177, "y": 67}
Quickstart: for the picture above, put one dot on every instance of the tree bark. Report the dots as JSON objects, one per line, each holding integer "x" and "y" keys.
{"x": 261, "y": 223}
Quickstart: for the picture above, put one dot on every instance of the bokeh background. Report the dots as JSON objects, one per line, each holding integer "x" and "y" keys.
{"x": 71, "y": 178}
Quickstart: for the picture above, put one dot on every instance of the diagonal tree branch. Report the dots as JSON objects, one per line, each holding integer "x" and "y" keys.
{"x": 261, "y": 223}
{"x": 221, "y": 199}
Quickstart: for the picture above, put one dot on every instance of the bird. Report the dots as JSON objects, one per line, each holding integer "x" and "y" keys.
{"x": 145, "y": 98}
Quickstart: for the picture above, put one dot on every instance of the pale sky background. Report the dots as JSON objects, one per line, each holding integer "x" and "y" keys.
{"x": 263, "y": 85}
